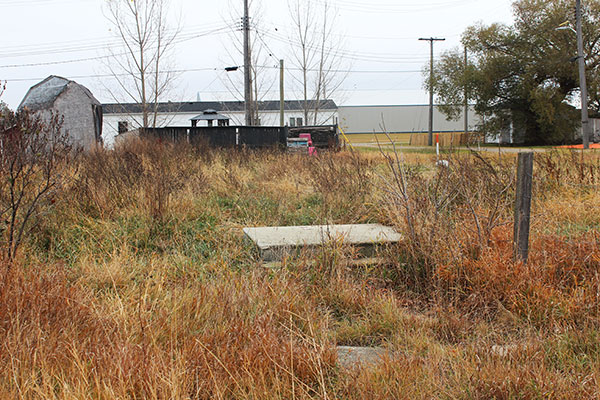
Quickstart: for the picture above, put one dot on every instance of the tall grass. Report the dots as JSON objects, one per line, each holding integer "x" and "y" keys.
{"x": 458, "y": 219}
{"x": 138, "y": 283}
{"x": 235, "y": 338}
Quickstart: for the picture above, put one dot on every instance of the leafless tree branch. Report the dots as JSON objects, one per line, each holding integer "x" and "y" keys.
{"x": 141, "y": 71}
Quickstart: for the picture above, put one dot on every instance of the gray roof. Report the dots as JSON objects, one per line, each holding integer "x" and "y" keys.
{"x": 209, "y": 115}
{"x": 219, "y": 106}
{"x": 43, "y": 95}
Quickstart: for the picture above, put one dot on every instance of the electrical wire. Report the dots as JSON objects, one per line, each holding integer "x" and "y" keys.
{"x": 361, "y": 7}
{"x": 349, "y": 71}
{"x": 360, "y": 56}
{"x": 288, "y": 34}
{"x": 357, "y": 56}
{"x": 57, "y": 49}
{"x": 97, "y": 40}
{"x": 13, "y": 3}
{"x": 174, "y": 71}
{"x": 180, "y": 40}
{"x": 278, "y": 27}
{"x": 260, "y": 37}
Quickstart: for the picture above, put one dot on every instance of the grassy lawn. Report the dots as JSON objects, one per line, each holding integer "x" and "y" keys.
{"x": 417, "y": 139}
{"x": 137, "y": 283}
{"x": 403, "y": 138}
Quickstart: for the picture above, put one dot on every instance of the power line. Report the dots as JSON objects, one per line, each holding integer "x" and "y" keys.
{"x": 361, "y": 54}
{"x": 84, "y": 44}
{"x": 216, "y": 31}
{"x": 362, "y": 37}
{"x": 399, "y": 59}
{"x": 13, "y": 3}
{"x": 174, "y": 71}
{"x": 350, "y": 71}
{"x": 56, "y": 62}
{"x": 98, "y": 46}
{"x": 103, "y": 39}
{"x": 391, "y": 8}
{"x": 271, "y": 52}
{"x": 354, "y": 54}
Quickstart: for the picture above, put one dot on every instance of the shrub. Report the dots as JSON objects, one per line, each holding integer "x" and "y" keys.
{"x": 139, "y": 172}
{"x": 449, "y": 213}
{"x": 35, "y": 156}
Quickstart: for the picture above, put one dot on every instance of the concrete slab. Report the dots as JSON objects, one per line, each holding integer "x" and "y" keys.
{"x": 275, "y": 242}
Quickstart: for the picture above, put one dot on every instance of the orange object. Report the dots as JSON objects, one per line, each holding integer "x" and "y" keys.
{"x": 580, "y": 146}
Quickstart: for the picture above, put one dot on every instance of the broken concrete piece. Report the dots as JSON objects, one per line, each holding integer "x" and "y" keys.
{"x": 275, "y": 242}
{"x": 349, "y": 357}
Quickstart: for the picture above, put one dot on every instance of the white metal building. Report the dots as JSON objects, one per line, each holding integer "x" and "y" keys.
{"x": 399, "y": 119}
{"x": 123, "y": 117}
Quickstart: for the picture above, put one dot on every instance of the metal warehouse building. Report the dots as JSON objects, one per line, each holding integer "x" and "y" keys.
{"x": 399, "y": 119}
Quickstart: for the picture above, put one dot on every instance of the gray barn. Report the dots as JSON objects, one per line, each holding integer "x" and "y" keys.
{"x": 81, "y": 111}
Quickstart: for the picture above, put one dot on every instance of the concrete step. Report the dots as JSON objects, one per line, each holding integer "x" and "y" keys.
{"x": 274, "y": 243}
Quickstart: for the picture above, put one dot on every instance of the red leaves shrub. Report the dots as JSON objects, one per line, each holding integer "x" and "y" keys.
{"x": 559, "y": 283}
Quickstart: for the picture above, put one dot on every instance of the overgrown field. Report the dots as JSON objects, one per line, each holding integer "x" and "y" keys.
{"x": 136, "y": 283}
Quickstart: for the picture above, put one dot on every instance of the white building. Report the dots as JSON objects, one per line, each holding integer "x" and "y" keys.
{"x": 399, "y": 119}
{"x": 124, "y": 117}
{"x": 595, "y": 122}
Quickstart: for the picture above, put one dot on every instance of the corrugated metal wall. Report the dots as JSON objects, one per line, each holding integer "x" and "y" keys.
{"x": 398, "y": 119}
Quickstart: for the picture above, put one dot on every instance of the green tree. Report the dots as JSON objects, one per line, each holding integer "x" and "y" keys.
{"x": 524, "y": 73}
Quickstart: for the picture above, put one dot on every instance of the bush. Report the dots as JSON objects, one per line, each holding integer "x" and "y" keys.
{"x": 449, "y": 213}
{"x": 139, "y": 172}
{"x": 35, "y": 156}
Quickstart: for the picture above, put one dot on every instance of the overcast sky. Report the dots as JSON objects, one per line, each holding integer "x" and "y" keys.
{"x": 69, "y": 38}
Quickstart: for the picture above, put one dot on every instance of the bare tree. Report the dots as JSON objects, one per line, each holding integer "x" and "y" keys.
{"x": 141, "y": 69}
{"x": 318, "y": 60}
{"x": 263, "y": 77}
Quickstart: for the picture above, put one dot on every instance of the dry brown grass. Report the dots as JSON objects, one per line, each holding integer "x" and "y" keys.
{"x": 237, "y": 338}
{"x": 123, "y": 295}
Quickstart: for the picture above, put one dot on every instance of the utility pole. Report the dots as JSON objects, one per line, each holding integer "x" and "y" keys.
{"x": 431, "y": 40}
{"x": 281, "y": 95}
{"x": 466, "y": 97}
{"x": 585, "y": 121}
{"x": 248, "y": 103}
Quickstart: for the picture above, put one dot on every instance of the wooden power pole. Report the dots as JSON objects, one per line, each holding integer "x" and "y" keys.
{"x": 585, "y": 121}
{"x": 466, "y": 98}
{"x": 281, "y": 95}
{"x": 248, "y": 103}
{"x": 431, "y": 40}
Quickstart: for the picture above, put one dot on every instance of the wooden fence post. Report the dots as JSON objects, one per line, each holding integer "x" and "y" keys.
{"x": 523, "y": 206}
